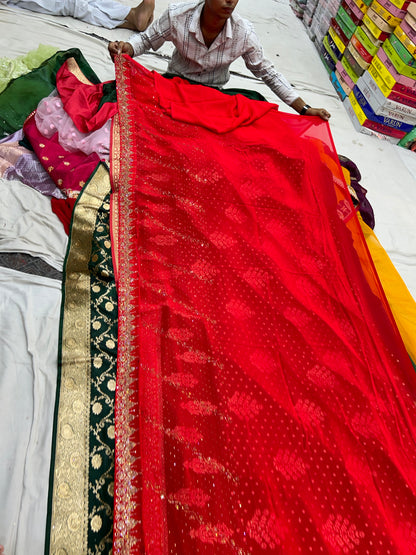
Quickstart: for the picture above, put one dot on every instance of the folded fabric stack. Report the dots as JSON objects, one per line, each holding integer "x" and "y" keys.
{"x": 369, "y": 49}
{"x": 309, "y": 12}
{"x": 340, "y": 42}
{"x": 383, "y": 98}
{"x": 409, "y": 141}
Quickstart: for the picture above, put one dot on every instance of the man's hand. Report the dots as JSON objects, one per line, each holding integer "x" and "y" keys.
{"x": 300, "y": 106}
{"x": 120, "y": 47}
{"x": 321, "y": 112}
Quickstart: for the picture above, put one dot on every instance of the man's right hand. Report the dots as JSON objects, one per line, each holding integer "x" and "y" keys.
{"x": 120, "y": 47}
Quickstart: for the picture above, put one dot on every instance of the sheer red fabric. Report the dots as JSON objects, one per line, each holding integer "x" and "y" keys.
{"x": 265, "y": 402}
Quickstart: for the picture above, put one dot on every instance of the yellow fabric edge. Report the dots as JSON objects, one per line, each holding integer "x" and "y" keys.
{"x": 401, "y": 302}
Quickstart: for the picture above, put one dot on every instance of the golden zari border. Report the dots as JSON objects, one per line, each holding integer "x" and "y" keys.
{"x": 126, "y": 476}
{"x": 115, "y": 157}
{"x": 132, "y": 480}
{"x": 123, "y": 542}
{"x": 115, "y": 153}
{"x": 74, "y": 68}
{"x": 69, "y": 501}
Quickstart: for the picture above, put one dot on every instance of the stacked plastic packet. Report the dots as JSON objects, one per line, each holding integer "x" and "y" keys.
{"x": 298, "y": 7}
{"x": 324, "y": 11}
{"x": 370, "y": 53}
{"x": 309, "y": 12}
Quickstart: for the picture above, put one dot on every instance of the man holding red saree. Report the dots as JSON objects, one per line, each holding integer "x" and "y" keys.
{"x": 264, "y": 398}
{"x": 208, "y": 37}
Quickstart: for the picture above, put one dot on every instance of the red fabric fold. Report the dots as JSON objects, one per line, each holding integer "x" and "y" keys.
{"x": 63, "y": 208}
{"x": 189, "y": 103}
{"x": 81, "y": 99}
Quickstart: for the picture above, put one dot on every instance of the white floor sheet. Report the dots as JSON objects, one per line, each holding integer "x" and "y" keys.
{"x": 28, "y": 225}
{"x": 29, "y": 315}
{"x": 29, "y": 325}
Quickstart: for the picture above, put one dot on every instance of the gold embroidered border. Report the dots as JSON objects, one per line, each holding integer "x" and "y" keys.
{"x": 129, "y": 480}
{"x": 115, "y": 153}
{"x": 125, "y": 479}
{"x": 69, "y": 506}
{"x": 75, "y": 69}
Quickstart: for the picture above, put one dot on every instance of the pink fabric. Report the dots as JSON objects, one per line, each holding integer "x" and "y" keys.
{"x": 17, "y": 162}
{"x": 69, "y": 170}
{"x": 51, "y": 118}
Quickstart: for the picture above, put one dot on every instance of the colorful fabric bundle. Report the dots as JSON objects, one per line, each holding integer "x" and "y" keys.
{"x": 363, "y": 204}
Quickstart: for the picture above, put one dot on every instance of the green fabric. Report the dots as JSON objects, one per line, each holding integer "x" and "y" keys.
{"x": 253, "y": 95}
{"x": 408, "y": 139}
{"x": 22, "y": 95}
{"x": 103, "y": 382}
{"x": 10, "y": 68}
{"x": 103, "y": 333}
{"x": 109, "y": 93}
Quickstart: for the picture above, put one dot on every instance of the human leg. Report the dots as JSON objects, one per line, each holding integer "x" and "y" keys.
{"x": 103, "y": 13}
{"x": 140, "y": 17}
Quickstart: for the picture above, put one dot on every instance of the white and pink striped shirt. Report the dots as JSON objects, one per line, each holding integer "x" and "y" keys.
{"x": 192, "y": 59}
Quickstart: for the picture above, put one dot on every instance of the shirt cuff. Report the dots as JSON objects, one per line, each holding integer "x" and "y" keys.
{"x": 137, "y": 43}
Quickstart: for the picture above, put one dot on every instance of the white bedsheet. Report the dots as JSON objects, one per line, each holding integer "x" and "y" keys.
{"x": 29, "y": 323}
{"x": 28, "y": 225}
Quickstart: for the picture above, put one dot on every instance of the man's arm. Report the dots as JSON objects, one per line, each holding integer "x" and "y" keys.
{"x": 300, "y": 106}
{"x": 264, "y": 69}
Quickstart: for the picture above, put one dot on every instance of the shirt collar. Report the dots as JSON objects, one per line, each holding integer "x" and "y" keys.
{"x": 195, "y": 27}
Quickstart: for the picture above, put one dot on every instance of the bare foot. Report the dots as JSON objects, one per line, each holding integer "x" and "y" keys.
{"x": 139, "y": 19}
{"x": 1, "y": 550}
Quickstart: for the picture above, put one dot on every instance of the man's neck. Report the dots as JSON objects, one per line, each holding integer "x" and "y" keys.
{"x": 211, "y": 26}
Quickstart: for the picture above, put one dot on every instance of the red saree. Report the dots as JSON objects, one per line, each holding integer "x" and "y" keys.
{"x": 265, "y": 402}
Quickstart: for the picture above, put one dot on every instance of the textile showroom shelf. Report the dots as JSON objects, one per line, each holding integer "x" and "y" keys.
{"x": 378, "y": 40}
